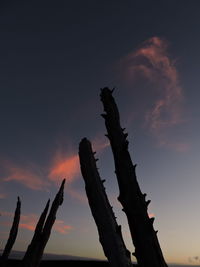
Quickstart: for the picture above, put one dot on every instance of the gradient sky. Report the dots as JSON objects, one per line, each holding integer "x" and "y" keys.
{"x": 55, "y": 57}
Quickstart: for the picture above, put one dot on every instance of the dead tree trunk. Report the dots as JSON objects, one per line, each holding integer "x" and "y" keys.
{"x": 109, "y": 231}
{"x": 35, "y": 250}
{"x": 32, "y": 250}
{"x": 147, "y": 248}
{"x": 12, "y": 235}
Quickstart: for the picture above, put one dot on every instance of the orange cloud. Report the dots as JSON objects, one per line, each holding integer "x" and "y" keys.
{"x": 4, "y": 235}
{"x": 61, "y": 227}
{"x": 2, "y": 195}
{"x": 25, "y": 176}
{"x": 64, "y": 167}
{"x": 68, "y": 166}
{"x": 29, "y": 222}
{"x": 6, "y": 214}
{"x": 152, "y": 61}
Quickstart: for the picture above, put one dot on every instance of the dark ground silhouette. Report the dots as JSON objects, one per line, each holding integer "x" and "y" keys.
{"x": 60, "y": 263}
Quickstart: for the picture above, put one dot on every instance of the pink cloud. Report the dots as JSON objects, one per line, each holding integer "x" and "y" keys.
{"x": 61, "y": 166}
{"x": 6, "y": 213}
{"x": 23, "y": 175}
{"x": 26, "y": 221}
{"x": 29, "y": 222}
{"x": 68, "y": 166}
{"x": 64, "y": 167}
{"x": 2, "y": 195}
{"x": 4, "y": 235}
{"x": 152, "y": 62}
{"x": 61, "y": 227}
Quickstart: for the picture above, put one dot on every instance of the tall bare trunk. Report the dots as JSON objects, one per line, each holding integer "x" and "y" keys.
{"x": 32, "y": 251}
{"x": 147, "y": 248}
{"x": 109, "y": 231}
{"x": 42, "y": 233}
{"x": 12, "y": 235}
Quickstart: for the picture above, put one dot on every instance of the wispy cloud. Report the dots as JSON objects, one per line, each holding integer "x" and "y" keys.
{"x": 61, "y": 165}
{"x": 4, "y": 234}
{"x": 152, "y": 62}
{"x": 25, "y": 175}
{"x": 6, "y": 213}
{"x": 160, "y": 68}
{"x": 67, "y": 165}
{"x": 64, "y": 167}
{"x": 29, "y": 222}
{"x": 2, "y": 195}
{"x": 61, "y": 227}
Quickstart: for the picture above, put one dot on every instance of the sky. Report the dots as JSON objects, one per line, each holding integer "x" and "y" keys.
{"x": 55, "y": 57}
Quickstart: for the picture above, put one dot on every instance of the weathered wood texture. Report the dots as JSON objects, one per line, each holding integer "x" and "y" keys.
{"x": 12, "y": 235}
{"x": 42, "y": 233}
{"x": 109, "y": 231}
{"x": 147, "y": 249}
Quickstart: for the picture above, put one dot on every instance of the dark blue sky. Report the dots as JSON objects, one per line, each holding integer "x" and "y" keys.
{"x": 54, "y": 58}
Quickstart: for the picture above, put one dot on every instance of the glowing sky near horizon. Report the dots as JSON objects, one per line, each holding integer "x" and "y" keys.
{"x": 55, "y": 57}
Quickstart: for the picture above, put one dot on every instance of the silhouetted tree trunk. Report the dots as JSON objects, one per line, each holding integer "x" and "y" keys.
{"x": 12, "y": 235}
{"x": 109, "y": 231}
{"x": 32, "y": 250}
{"x": 147, "y": 248}
{"x": 42, "y": 233}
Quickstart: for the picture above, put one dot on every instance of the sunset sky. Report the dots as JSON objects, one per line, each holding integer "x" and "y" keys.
{"x": 55, "y": 57}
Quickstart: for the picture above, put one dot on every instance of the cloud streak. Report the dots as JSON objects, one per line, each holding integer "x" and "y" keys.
{"x": 23, "y": 175}
{"x": 64, "y": 167}
{"x": 2, "y": 195}
{"x": 29, "y": 222}
{"x": 60, "y": 166}
{"x": 68, "y": 166}
{"x": 61, "y": 227}
{"x": 152, "y": 62}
